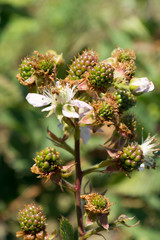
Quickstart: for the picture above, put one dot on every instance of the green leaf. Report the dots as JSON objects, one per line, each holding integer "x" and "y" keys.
{"x": 66, "y": 229}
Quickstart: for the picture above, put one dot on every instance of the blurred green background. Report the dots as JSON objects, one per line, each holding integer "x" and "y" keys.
{"x": 70, "y": 26}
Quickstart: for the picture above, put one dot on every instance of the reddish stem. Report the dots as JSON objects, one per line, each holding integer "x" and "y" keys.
{"x": 81, "y": 230}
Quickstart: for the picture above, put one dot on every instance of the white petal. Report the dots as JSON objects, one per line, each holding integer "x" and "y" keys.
{"x": 38, "y": 100}
{"x": 85, "y": 134}
{"x": 69, "y": 111}
{"x": 81, "y": 104}
{"x": 52, "y": 107}
{"x": 151, "y": 86}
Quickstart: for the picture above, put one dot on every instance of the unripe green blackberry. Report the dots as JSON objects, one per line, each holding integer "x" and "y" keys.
{"x": 106, "y": 111}
{"x": 31, "y": 219}
{"x": 131, "y": 158}
{"x": 26, "y": 68}
{"x": 82, "y": 64}
{"x": 125, "y": 99}
{"x": 46, "y": 65}
{"x": 99, "y": 202}
{"x": 48, "y": 160}
{"x": 101, "y": 76}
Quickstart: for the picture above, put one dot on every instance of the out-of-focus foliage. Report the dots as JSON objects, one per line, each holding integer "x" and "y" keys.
{"x": 71, "y": 26}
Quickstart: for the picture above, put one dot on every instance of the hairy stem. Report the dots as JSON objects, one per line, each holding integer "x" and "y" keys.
{"x": 81, "y": 230}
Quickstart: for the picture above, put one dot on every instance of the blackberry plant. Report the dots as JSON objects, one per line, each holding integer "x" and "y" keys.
{"x": 93, "y": 95}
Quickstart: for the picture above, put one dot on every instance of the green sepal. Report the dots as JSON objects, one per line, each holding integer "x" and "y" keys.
{"x": 66, "y": 230}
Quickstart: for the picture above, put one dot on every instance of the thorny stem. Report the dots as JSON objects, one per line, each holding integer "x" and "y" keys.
{"x": 81, "y": 230}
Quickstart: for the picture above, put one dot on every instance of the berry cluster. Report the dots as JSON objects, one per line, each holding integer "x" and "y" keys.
{"x": 46, "y": 65}
{"x": 101, "y": 75}
{"x": 99, "y": 202}
{"x": 106, "y": 111}
{"x": 27, "y": 68}
{"x": 82, "y": 64}
{"x": 131, "y": 158}
{"x": 31, "y": 219}
{"x": 48, "y": 160}
{"x": 125, "y": 99}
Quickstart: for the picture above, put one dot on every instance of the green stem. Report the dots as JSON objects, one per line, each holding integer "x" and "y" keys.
{"x": 121, "y": 86}
{"x": 92, "y": 232}
{"x": 68, "y": 185}
{"x": 96, "y": 167}
{"x": 81, "y": 230}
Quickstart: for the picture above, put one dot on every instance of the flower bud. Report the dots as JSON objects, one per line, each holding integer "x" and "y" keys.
{"x": 139, "y": 86}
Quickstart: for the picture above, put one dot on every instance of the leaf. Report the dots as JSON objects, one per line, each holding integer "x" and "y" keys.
{"x": 66, "y": 230}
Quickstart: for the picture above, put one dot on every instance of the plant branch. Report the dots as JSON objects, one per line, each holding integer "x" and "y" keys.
{"x": 68, "y": 185}
{"x": 96, "y": 167}
{"x": 60, "y": 142}
{"x": 92, "y": 232}
{"x": 81, "y": 230}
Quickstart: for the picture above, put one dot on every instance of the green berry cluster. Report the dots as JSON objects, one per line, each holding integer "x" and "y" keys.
{"x": 26, "y": 68}
{"x": 48, "y": 160}
{"x": 106, "y": 111}
{"x": 131, "y": 158}
{"x": 125, "y": 99}
{"x": 46, "y": 65}
{"x": 99, "y": 202}
{"x": 31, "y": 219}
{"x": 82, "y": 64}
{"x": 101, "y": 75}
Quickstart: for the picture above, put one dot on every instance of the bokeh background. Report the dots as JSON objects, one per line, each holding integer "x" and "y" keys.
{"x": 70, "y": 26}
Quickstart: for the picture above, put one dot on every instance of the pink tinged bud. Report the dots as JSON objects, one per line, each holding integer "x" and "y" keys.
{"x": 139, "y": 86}
{"x": 87, "y": 119}
{"x": 81, "y": 104}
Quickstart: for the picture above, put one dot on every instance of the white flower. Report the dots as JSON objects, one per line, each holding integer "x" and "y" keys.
{"x": 62, "y": 103}
{"x": 139, "y": 86}
{"x": 149, "y": 149}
